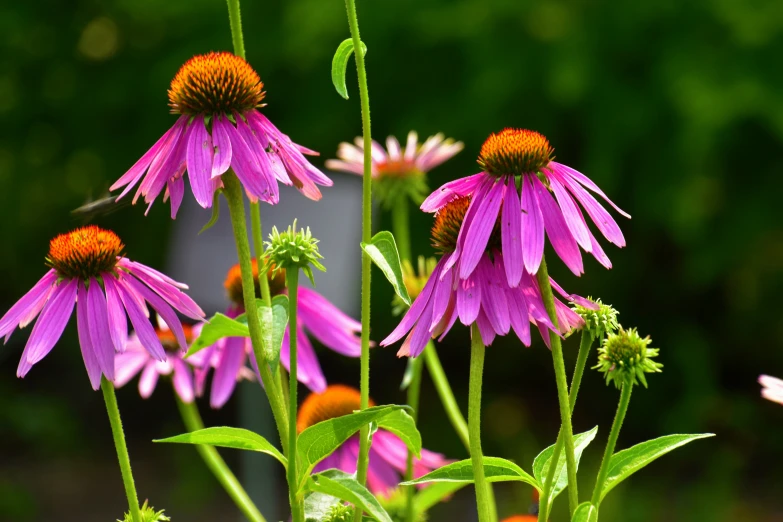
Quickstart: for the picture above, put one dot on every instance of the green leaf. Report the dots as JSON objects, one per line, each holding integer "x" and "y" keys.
{"x": 340, "y": 63}
{"x": 226, "y": 437}
{"x": 542, "y": 461}
{"x": 215, "y": 211}
{"x": 383, "y": 251}
{"x": 317, "y": 506}
{"x": 585, "y": 512}
{"x": 320, "y": 440}
{"x": 628, "y": 461}
{"x": 274, "y": 321}
{"x": 495, "y": 469}
{"x": 344, "y": 486}
{"x": 219, "y": 326}
{"x": 434, "y": 494}
{"x": 407, "y": 377}
{"x": 403, "y": 425}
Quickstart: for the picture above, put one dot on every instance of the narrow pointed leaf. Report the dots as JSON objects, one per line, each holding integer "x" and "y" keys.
{"x": 219, "y": 326}
{"x": 215, "y": 212}
{"x": 383, "y": 251}
{"x": 542, "y": 461}
{"x": 345, "y": 487}
{"x": 340, "y": 64}
{"x": 274, "y": 321}
{"x": 403, "y": 425}
{"x": 585, "y": 512}
{"x": 628, "y": 461}
{"x": 226, "y": 437}
{"x": 495, "y": 470}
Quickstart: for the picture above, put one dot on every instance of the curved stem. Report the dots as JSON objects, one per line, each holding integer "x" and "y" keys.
{"x": 562, "y": 386}
{"x": 622, "y": 408}
{"x": 585, "y": 343}
{"x": 192, "y": 420}
{"x": 236, "y": 207}
{"x": 292, "y": 282}
{"x": 235, "y": 19}
{"x": 122, "y": 450}
{"x": 446, "y": 394}
{"x": 477, "y": 350}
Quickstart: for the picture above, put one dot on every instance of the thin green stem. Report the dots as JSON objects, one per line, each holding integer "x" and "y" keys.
{"x": 297, "y": 505}
{"x": 236, "y": 207}
{"x": 235, "y": 19}
{"x": 446, "y": 394}
{"x": 585, "y": 343}
{"x": 414, "y": 389}
{"x": 122, "y": 450}
{"x": 258, "y": 246}
{"x": 622, "y": 409}
{"x": 192, "y": 420}
{"x": 401, "y": 228}
{"x": 364, "y": 97}
{"x": 477, "y": 350}
{"x": 562, "y": 386}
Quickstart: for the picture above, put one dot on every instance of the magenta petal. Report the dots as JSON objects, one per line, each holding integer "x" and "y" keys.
{"x": 532, "y": 227}
{"x": 451, "y": 190}
{"x": 309, "y": 370}
{"x": 141, "y": 324}
{"x": 118, "y": 322}
{"x": 28, "y": 307}
{"x": 245, "y": 166}
{"x": 51, "y": 323}
{"x": 170, "y": 154}
{"x": 128, "y": 364}
{"x": 486, "y": 330}
{"x": 314, "y": 303}
{"x": 556, "y": 229}
{"x": 413, "y": 314}
{"x": 177, "y": 192}
{"x": 98, "y": 321}
{"x": 224, "y": 381}
{"x": 511, "y": 234}
{"x": 441, "y": 298}
{"x": 481, "y": 228}
{"x": 571, "y": 214}
{"x": 164, "y": 310}
{"x": 493, "y": 297}
{"x": 421, "y": 333}
{"x": 468, "y": 299}
{"x": 587, "y": 182}
{"x": 200, "y": 153}
{"x": 518, "y": 314}
{"x": 167, "y": 288}
{"x": 148, "y": 380}
{"x": 182, "y": 380}
{"x": 91, "y": 362}
{"x": 222, "y": 143}
{"x": 602, "y": 219}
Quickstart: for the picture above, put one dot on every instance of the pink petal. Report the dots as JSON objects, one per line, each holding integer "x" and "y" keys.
{"x": 28, "y": 307}
{"x": 556, "y": 229}
{"x": 451, "y": 190}
{"x": 481, "y": 228}
{"x": 85, "y": 342}
{"x": 127, "y": 365}
{"x": 587, "y": 182}
{"x": 139, "y": 320}
{"x": 468, "y": 299}
{"x": 98, "y": 322}
{"x": 182, "y": 381}
{"x": 414, "y": 313}
{"x": 225, "y": 379}
{"x": 222, "y": 145}
{"x": 148, "y": 380}
{"x": 532, "y": 227}
{"x": 602, "y": 219}
{"x": 199, "y": 153}
{"x": 51, "y": 323}
{"x": 511, "y": 234}
{"x": 118, "y": 321}
{"x": 571, "y": 214}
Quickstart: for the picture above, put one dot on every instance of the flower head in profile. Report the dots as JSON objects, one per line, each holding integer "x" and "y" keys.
{"x": 388, "y": 454}
{"x": 772, "y": 388}
{"x": 548, "y": 198}
{"x": 87, "y": 266}
{"x": 397, "y": 171}
{"x": 218, "y": 97}
{"x": 625, "y": 356}
{"x": 484, "y": 297}
{"x": 598, "y": 321}
{"x": 148, "y": 514}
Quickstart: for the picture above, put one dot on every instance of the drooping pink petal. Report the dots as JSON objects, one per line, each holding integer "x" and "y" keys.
{"x": 587, "y": 182}
{"x": 481, "y": 228}
{"x": 532, "y": 227}
{"x": 413, "y": 315}
{"x": 182, "y": 380}
{"x": 602, "y": 219}
{"x": 442, "y": 297}
{"x": 309, "y": 370}
{"x": 468, "y": 299}
{"x": 177, "y": 192}
{"x": 571, "y": 214}
{"x": 140, "y": 321}
{"x": 224, "y": 381}
{"x": 421, "y": 333}
{"x": 164, "y": 162}
{"x": 51, "y": 323}
{"x": 485, "y": 329}
{"x": 556, "y": 229}
{"x": 330, "y": 334}
{"x": 200, "y": 153}
{"x": 451, "y": 190}
{"x": 91, "y": 362}
{"x": 28, "y": 307}
{"x": 164, "y": 310}
{"x": 118, "y": 321}
{"x": 257, "y": 184}
{"x": 493, "y": 296}
{"x": 381, "y": 476}
{"x": 98, "y": 322}
{"x": 148, "y": 380}
{"x": 165, "y": 287}
{"x": 127, "y": 365}
{"x": 311, "y": 302}
{"x": 480, "y": 193}
{"x": 511, "y": 234}
{"x": 518, "y": 314}
{"x": 222, "y": 143}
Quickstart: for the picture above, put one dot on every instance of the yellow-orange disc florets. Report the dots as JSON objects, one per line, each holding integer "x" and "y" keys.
{"x": 233, "y": 282}
{"x": 84, "y": 253}
{"x": 515, "y": 151}
{"x": 169, "y": 340}
{"x": 215, "y": 83}
{"x": 335, "y": 401}
{"x": 448, "y": 221}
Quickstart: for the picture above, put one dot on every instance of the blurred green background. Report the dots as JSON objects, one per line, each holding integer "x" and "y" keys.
{"x": 674, "y": 108}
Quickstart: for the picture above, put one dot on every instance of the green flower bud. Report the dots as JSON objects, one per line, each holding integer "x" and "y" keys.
{"x": 148, "y": 514}
{"x": 598, "y": 322}
{"x": 625, "y": 356}
{"x": 293, "y": 249}
{"x": 339, "y": 513}
{"x": 414, "y": 281}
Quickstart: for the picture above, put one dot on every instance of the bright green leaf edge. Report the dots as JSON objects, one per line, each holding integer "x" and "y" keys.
{"x": 382, "y": 249}
{"x": 228, "y": 437}
{"x": 340, "y": 64}
{"x": 495, "y": 470}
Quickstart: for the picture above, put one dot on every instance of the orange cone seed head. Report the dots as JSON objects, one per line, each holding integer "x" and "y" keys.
{"x": 515, "y": 151}
{"x": 233, "y": 283}
{"x": 337, "y": 400}
{"x": 84, "y": 253}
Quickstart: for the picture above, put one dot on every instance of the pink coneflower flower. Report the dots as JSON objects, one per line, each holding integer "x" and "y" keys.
{"x": 388, "y": 454}
{"x": 525, "y": 218}
{"x": 217, "y": 96}
{"x": 484, "y": 297}
{"x": 317, "y": 316}
{"x": 772, "y": 388}
{"x": 87, "y": 266}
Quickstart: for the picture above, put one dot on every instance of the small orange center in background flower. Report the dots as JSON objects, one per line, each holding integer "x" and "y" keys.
{"x": 521, "y": 518}
{"x": 398, "y": 169}
{"x": 233, "y": 283}
{"x": 84, "y": 253}
{"x": 169, "y": 340}
{"x": 337, "y": 400}
{"x": 515, "y": 151}
{"x": 215, "y": 83}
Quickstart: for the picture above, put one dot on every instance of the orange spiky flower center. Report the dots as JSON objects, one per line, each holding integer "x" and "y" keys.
{"x": 233, "y": 283}
{"x": 335, "y": 401}
{"x": 448, "y": 221}
{"x": 215, "y": 83}
{"x": 169, "y": 340}
{"x": 398, "y": 169}
{"x": 84, "y": 253}
{"x": 515, "y": 151}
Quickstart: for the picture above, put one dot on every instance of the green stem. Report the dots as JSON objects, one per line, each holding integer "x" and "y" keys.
{"x": 192, "y": 420}
{"x": 364, "y": 97}
{"x": 414, "y": 389}
{"x": 562, "y": 386}
{"x": 258, "y": 244}
{"x": 236, "y": 206}
{"x": 585, "y": 344}
{"x": 477, "y": 350}
{"x": 122, "y": 450}
{"x": 297, "y": 505}
{"x": 446, "y": 394}
{"x": 401, "y": 228}
{"x": 235, "y": 19}
{"x": 622, "y": 408}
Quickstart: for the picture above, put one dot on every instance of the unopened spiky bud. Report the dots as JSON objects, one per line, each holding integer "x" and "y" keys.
{"x": 624, "y": 356}
{"x": 339, "y": 513}
{"x": 293, "y": 249}
{"x": 148, "y": 514}
{"x": 598, "y": 322}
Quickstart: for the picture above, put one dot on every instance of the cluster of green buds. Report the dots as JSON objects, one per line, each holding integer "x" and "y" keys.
{"x": 395, "y": 505}
{"x": 598, "y": 322}
{"x": 414, "y": 280}
{"x": 293, "y": 249}
{"x": 148, "y": 514}
{"x": 624, "y": 357}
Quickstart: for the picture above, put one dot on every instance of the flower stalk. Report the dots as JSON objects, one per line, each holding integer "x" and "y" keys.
{"x": 297, "y": 504}
{"x": 622, "y": 409}
{"x": 446, "y": 394}
{"x": 483, "y": 496}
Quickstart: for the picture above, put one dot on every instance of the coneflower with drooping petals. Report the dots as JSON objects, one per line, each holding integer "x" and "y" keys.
{"x": 772, "y": 388}
{"x": 88, "y": 268}
{"x": 217, "y": 96}
{"x": 550, "y": 200}
{"x": 388, "y": 454}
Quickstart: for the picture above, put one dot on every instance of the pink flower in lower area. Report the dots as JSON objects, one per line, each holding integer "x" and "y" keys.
{"x": 772, "y": 388}
{"x": 88, "y": 268}
{"x": 317, "y": 316}
{"x": 388, "y": 454}
{"x": 550, "y": 201}
{"x": 218, "y": 96}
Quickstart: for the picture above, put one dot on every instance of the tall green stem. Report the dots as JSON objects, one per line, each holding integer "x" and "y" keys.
{"x": 122, "y": 450}
{"x": 562, "y": 385}
{"x": 585, "y": 344}
{"x": 236, "y": 207}
{"x": 483, "y": 498}
{"x": 297, "y": 505}
{"x": 414, "y": 389}
{"x": 192, "y": 420}
{"x": 258, "y": 246}
{"x": 622, "y": 408}
{"x": 401, "y": 228}
{"x": 364, "y": 97}
{"x": 235, "y": 19}
{"x": 446, "y": 394}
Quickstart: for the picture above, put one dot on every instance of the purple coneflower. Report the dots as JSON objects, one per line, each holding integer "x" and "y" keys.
{"x": 87, "y": 266}
{"x": 217, "y": 96}
{"x": 484, "y": 297}
{"x": 388, "y": 454}
{"x": 772, "y": 388}
{"x": 317, "y": 316}
{"x": 525, "y": 218}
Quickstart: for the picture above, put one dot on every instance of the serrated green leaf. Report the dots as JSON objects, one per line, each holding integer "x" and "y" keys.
{"x": 344, "y": 486}
{"x": 215, "y": 211}
{"x": 383, "y": 251}
{"x": 320, "y": 440}
{"x": 218, "y": 327}
{"x": 273, "y": 321}
{"x": 585, "y": 512}
{"x": 628, "y": 461}
{"x": 495, "y": 470}
{"x": 542, "y": 461}
{"x": 227, "y": 437}
{"x": 403, "y": 425}
{"x": 340, "y": 64}
{"x": 434, "y": 494}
